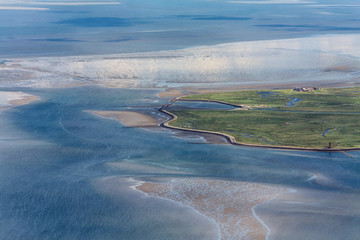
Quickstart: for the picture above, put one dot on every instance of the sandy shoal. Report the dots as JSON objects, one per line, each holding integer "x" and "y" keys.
{"x": 25, "y": 100}
{"x": 229, "y": 204}
{"x": 10, "y": 99}
{"x": 129, "y": 118}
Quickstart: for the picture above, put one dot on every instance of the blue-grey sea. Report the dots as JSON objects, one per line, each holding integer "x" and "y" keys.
{"x": 150, "y": 25}
{"x": 56, "y": 182}
{"x": 67, "y": 174}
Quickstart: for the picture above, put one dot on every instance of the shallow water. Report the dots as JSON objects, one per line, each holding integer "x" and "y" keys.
{"x": 65, "y": 174}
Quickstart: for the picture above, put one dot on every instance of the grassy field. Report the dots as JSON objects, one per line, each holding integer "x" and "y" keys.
{"x": 329, "y": 110}
{"x": 334, "y": 99}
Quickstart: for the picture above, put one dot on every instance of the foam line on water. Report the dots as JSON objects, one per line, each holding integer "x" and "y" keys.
{"x": 261, "y": 221}
{"x": 135, "y": 183}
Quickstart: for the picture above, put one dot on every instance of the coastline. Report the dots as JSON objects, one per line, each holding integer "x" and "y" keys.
{"x": 142, "y": 120}
{"x": 231, "y": 139}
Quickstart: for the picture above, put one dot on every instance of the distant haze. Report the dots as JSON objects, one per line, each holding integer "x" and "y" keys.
{"x": 42, "y": 28}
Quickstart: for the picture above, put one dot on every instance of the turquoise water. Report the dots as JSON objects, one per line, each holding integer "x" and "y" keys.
{"x": 58, "y": 179}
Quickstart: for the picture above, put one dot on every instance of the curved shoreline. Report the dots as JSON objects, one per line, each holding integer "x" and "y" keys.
{"x": 230, "y": 139}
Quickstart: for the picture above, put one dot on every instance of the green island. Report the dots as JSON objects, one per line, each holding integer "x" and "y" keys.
{"x": 299, "y": 118}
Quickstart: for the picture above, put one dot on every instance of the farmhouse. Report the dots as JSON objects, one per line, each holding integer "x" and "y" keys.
{"x": 302, "y": 89}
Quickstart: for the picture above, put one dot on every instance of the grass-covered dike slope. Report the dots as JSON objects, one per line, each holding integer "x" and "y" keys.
{"x": 281, "y": 117}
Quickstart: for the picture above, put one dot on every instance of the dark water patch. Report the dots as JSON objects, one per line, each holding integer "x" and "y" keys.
{"x": 67, "y": 12}
{"x": 265, "y": 94}
{"x": 221, "y": 18}
{"x": 120, "y": 40}
{"x": 102, "y": 22}
{"x": 4, "y": 61}
{"x": 294, "y": 27}
{"x": 160, "y": 15}
{"x": 288, "y": 26}
{"x": 56, "y": 40}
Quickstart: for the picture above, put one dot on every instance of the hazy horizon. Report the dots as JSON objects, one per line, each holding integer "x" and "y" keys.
{"x": 39, "y": 28}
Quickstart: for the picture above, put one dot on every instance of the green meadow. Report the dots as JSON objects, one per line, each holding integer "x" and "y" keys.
{"x": 320, "y": 117}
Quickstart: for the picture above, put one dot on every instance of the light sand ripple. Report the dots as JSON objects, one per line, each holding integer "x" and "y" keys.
{"x": 229, "y": 204}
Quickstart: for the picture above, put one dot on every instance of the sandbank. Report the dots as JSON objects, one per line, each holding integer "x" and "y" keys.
{"x": 229, "y": 204}
{"x": 10, "y": 99}
{"x": 129, "y": 118}
{"x": 25, "y": 100}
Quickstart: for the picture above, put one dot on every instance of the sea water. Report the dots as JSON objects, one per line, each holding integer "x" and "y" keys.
{"x": 144, "y": 26}
{"x": 67, "y": 174}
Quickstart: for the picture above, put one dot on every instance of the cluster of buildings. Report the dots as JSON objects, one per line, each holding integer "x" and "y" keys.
{"x": 303, "y": 89}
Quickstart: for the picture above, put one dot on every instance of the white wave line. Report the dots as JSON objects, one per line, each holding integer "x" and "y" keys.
{"x": 262, "y": 222}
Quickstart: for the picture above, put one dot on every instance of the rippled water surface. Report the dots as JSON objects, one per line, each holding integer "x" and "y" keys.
{"x": 66, "y": 174}
{"x": 60, "y": 28}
